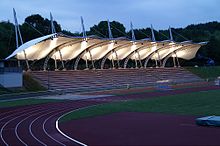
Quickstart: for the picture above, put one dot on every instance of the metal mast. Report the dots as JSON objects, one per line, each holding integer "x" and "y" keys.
{"x": 85, "y": 39}
{"x": 109, "y": 31}
{"x": 113, "y": 51}
{"x": 133, "y": 40}
{"x": 171, "y": 35}
{"x": 18, "y": 34}
{"x": 171, "y": 39}
{"x": 53, "y": 30}
{"x": 83, "y": 29}
{"x": 110, "y": 37}
{"x": 152, "y": 33}
{"x": 154, "y": 40}
{"x": 132, "y": 33}
{"x": 52, "y": 25}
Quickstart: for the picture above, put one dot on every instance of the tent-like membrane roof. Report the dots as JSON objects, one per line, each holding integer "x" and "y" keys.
{"x": 61, "y": 47}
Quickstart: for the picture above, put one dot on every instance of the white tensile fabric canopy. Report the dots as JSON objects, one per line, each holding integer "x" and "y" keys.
{"x": 59, "y": 46}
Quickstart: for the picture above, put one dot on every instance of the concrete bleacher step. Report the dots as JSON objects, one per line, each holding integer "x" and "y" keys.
{"x": 112, "y": 78}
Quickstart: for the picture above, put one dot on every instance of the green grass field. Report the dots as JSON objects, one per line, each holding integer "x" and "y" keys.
{"x": 197, "y": 103}
{"x": 23, "y": 102}
{"x": 211, "y": 72}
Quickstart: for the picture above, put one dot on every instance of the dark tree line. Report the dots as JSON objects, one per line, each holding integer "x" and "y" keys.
{"x": 33, "y": 27}
{"x": 37, "y": 26}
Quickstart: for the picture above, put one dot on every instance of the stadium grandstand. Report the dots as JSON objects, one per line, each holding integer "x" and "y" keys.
{"x": 59, "y": 49}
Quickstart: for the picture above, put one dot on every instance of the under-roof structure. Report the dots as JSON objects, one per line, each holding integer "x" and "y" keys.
{"x": 58, "y": 46}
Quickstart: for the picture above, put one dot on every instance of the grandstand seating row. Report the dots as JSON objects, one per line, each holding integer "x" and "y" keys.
{"x": 78, "y": 80}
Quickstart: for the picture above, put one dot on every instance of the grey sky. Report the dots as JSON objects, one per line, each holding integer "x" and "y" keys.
{"x": 160, "y": 13}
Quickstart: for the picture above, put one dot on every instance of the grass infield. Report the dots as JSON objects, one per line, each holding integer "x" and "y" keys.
{"x": 197, "y": 103}
{"x": 23, "y": 102}
{"x": 211, "y": 72}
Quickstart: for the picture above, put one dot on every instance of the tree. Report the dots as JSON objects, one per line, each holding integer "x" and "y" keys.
{"x": 118, "y": 29}
{"x": 7, "y": 43}
{"x": 141, "y": 33}
{"x": 66, "y": 32}
{"x": 213, "y": 49}
{"x": 34, "y": 26}
{"x": 35, "y": 20}
{"x": 41, "y": 24}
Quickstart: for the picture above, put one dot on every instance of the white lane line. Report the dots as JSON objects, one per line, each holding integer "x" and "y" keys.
{"x": 8, "y": 112}
{"x": 31, "y": 132}
{"x": 66, "y": 109}
{"x": 54, "y": 108}
{"x": 65, "y": 135}
{"x": 31, "y": 125}
{"x": 18, "y": 124}
{"x": 21, "y": 111}
{"x": 1, "y": 131}
{"x": 16, "y": 133}
{"x": 47, "y": 132}
{"x": 74, "y": 140}
{"x": 35, "y": 105}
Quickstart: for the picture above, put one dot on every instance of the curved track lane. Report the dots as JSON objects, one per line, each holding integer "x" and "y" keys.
{"x": 36, "y": 124}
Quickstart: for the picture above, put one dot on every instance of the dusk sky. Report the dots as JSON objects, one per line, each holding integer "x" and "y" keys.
{"x": 160, "y": 13}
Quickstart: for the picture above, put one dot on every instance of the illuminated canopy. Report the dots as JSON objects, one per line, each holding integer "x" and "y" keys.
{"x": 61, "y": 47}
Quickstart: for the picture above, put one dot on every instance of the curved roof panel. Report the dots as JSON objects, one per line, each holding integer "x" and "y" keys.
{"x": 29, "y": 44}
{"x": 95, "y": 48}
{"x": 188, "y": 53}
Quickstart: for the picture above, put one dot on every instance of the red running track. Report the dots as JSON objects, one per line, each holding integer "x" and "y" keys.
{"x": 148, "y": 129}
{"x": 36, "y": 124}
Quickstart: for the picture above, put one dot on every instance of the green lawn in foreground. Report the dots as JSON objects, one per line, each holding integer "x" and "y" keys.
{"x": 197, "y": 103}
{"x": 30, "y": 101}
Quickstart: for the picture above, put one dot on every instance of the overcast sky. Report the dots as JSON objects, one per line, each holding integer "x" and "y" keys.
{"x": 160, "y": 13}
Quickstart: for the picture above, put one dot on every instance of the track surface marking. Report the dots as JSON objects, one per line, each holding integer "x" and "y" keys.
{"x": 36, "y": 124}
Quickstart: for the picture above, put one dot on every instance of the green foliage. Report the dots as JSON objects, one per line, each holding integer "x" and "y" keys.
{"x": 41, "y": 24}
{"x": 36, "y": 26}
{"x": 197, "y": 103}
{"x": 33, "y": 27}
{"x": 69, "y": 33}
{"x": 118, "y": 29}
{"x": 141, "y": 33}
{"x": 7, "y": 41}
{"x": 213, "y": 48}
{"x": 30, "y": 84}
{"x": 3, "y": 90}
